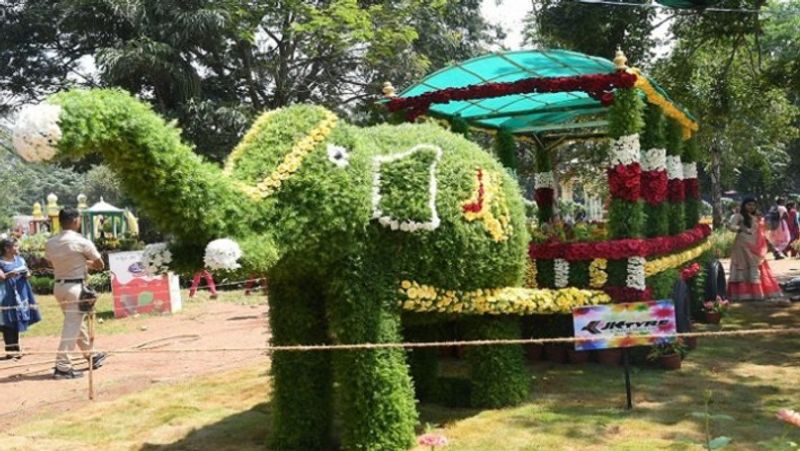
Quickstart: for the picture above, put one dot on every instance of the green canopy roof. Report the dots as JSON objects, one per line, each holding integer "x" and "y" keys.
{"x": 525, "y": 113}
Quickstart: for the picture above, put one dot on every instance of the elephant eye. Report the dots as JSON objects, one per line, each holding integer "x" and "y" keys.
{"x": 338, "y": 155}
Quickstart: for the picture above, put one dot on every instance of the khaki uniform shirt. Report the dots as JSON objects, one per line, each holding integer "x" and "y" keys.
{"x": 68, "y": 252}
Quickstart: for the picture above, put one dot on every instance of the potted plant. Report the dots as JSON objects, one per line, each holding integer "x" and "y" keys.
{"x": 715, "y": 309}
{"x": 577, "y": 356}
{"x": 610, "y": 356}
{"x": 556, "y": 352}
{"x": 668, "y": 354}
{"x": 533, "y": 351}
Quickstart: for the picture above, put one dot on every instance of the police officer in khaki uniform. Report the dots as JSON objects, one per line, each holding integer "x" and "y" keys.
{"x": 72, "y": 256}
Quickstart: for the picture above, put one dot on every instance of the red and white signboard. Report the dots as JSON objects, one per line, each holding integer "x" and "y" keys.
{"x": 136, "y": 292}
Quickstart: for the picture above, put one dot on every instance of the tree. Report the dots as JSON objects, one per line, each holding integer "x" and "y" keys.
{"x": 592, "y": 29}
{"x": 213, "y": 65}
{"x": 717, "y": 70}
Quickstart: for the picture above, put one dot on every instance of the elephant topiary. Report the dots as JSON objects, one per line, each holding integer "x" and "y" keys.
{"x": 351, "y": 225}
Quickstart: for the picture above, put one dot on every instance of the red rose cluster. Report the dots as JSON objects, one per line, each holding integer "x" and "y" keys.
{"x": 624, "y": 181}
{"x": 654, "y": 186}
{"x": 690, "y": 271}
{"x": 628, "y": 294}
{"x": 691, "y": 188}
{"x": 676, "y": 192}
{"x": 619, "y": 249}
{"x": 599, "y": 86}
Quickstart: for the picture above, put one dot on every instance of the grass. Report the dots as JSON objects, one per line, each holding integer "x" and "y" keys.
{"x": 52, "y": 317}
{"x": 570, "y": 407}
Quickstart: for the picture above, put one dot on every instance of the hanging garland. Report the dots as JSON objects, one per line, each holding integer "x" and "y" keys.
{"x": 677, "y": 215}
{"x": 620, "y": 249}
{"x": 544, "y": 186}
{"x": 675, "y": 260}
{"x": 505, "y": 147}
{"x": 688, "y": 126}
{"x": 598, "y": 86}
{"x": 654, "y": 172}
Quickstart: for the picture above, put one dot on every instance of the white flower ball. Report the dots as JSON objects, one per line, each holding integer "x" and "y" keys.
{"x": 223, "y": 254}
{"x": 36, "y": 132}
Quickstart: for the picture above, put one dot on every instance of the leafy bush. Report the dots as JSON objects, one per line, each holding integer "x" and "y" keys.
{"x": 41, "y": 284}
{"x": 100, "y": 281}
{"x": 722, "y": 243}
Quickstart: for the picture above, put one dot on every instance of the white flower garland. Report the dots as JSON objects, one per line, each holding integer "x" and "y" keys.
{"x": 544, "y": 180}
{"x": 561, "y": 267}
{"x": 635, "y": 278}
{"x": 625, "y": 150}
{"x": 338, "y": 155}
{"x": 674, "y": 168}
{"x": 654, "y": 160}
{"x": 395, "y": 224}
{"x": 156, "y": 259}
{"x": 223, "y": 254}
{"x": 36, "y": 132}
{"x": 689, "y": 171}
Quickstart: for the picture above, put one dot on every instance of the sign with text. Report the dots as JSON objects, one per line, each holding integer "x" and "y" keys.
{"x": 624, "y": 325}
{"x": 136, "y": 292}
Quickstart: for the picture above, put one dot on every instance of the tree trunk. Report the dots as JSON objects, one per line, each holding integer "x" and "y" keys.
{"x": 716, "y": 184}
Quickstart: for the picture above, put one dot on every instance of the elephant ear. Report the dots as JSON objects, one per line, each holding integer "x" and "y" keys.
{"x": 404, "y": 189}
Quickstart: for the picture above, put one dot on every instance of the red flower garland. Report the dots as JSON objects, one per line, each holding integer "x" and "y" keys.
{"x": 544, "y": 197}
{"x": 691, "y": 188}
{"x": 628, "y": 294}
{"x": 624, "y": 181}
{"x": 654, "y": 186}
{"x": 599, "y": 86}
{"x": 676, "y": 192}
{"x": 619, "y": 249}
{"x": 690, "y": 271}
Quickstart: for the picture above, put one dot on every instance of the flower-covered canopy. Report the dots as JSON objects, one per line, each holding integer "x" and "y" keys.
{"x": 530, "y": 92}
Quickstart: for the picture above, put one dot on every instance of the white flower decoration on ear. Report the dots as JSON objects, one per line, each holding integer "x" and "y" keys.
{"x": 223, "y": 254}
{"x": 156, "y": 259}
{"x": 36, "y": 132}
{"x": 338, "y": 155}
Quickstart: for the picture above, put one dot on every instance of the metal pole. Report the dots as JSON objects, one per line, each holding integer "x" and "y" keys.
{"x": 91, "y": 354}
{"x": 627, "y": 366}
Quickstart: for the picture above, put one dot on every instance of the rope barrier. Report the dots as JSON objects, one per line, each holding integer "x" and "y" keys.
{"x": 436, "y": 344}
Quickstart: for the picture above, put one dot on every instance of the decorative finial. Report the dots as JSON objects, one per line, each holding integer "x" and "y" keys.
{"x": 388, "y": 90}
{"x": 620, "y": 60}
{"x": 37, "y": 210}
{"x": 82, "y": 201}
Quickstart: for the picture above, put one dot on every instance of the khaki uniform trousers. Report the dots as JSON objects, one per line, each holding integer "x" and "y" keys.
{"x": 75, "y": 329}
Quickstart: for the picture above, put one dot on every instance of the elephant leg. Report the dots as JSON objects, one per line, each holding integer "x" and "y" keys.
{"x": 424, "y": 362}
{"x": 376, "y": 395}
{"x": 498, "y": 373}
{"x": 301, "y": 400}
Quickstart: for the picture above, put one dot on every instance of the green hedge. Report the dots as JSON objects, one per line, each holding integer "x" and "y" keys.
{"x": 498, "y": 375}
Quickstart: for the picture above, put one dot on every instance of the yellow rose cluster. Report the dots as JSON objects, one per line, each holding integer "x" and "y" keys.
{"x": 496, "y": 301}
{"x": 689, "y": 126}
{"x": 497, "y": 223}
{"x": 598, "y": 276}
{"x": 675, "y": 260}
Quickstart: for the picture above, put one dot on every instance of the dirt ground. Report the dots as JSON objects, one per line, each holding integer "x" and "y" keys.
{"x": 27, "y": 389}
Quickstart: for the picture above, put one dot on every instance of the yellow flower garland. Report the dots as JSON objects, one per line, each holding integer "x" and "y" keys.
{"x": 291, "y": 162}
{"x": 598, "y": 276}
{"x": 496, "y": 301}
{"x": 670, "y": 110}
{"x": 499, "y": 227}
{"x": 530, "y": 274}
{"x": 675, "y": 260}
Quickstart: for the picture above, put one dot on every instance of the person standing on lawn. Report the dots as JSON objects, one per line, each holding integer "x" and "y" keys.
{"x": 72, "y": 256}
{"x": 794, "y": 227}
{"x": 750, "y": 274}
{"x": 16, "y": 297}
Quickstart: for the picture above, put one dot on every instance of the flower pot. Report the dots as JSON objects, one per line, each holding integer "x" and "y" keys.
{"x": 713, "y": 317}
{"x": 556, "y": 352}
{"x": 609, "y": 356}
{"x": 691, "y": 342}
{"x": 577, "y": 356}
{"x": 533, "y": 352}
{"x": 670, "y": 361}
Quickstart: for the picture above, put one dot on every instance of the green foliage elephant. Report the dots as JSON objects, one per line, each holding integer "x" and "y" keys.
{"x": 342, "y": 220}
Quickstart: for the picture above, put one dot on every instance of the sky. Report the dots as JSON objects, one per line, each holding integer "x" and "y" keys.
{"x": 509, "y": 14}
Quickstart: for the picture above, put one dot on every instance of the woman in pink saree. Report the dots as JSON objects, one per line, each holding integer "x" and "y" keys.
{"x": 750, "y": 275}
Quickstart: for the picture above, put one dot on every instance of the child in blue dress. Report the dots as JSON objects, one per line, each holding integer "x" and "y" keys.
{"x": 19, "y": 309}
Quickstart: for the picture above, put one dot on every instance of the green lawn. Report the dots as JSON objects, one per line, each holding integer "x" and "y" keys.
{"x": 570, "y": 407}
